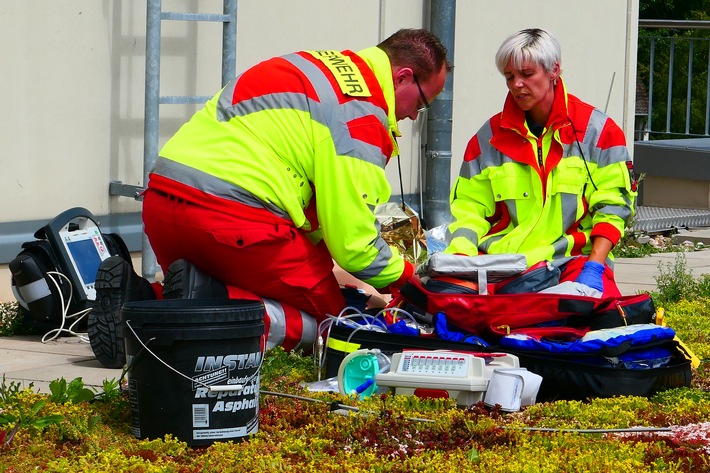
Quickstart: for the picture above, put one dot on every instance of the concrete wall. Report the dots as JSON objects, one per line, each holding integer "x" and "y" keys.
{"x": 675, "y": 173}
{"x": 73, "y": 74}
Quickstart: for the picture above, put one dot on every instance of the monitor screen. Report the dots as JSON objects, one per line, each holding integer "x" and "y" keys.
{"x": 86, "y": 258}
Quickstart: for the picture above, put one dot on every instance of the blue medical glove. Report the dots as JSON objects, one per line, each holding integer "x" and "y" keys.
{"x": 445, "y": 333}
{"x": 591, "y": 275}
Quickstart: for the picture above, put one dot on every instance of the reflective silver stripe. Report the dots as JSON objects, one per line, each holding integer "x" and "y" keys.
{"x": 224, "y": 102}
{"x": 572, "y": 150}
{"x": 594, "y": 155}
{"x": 335, "y": 117}
{"x": 489, "y": 156}
{"x": 563, "y": 260}
{"x": 615, "y": 154}
{"x": 465, "y": 233}
{"x": 384, "y": 253}
{"x": 513, "y": 211}
{"x": 325, "y": 111}
{"x": 590, "y": 142}
{"x": 277, "y": 323}
{"x": 210, "y": 184}
{"x": 277, "y": 326}
{"x": 569, "y": 209}
{"x": 486, "y": 245}
{"x": 622, "y": 212}
{"x": 34, "y": 291}
{"x": 308, "y": 335}
{"x": 295, "y": 101}
{"x": 560, "y": 247}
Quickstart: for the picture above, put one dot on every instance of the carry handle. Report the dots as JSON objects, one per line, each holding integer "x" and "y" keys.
{"x": 63, "y": 218}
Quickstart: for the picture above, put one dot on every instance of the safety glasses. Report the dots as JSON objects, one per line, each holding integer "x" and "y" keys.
{"x": 426, "y": 105}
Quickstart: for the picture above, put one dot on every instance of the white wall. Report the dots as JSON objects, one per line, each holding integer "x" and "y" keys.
{"x": 72, "y": 89}
{"x": 598, "y": 56}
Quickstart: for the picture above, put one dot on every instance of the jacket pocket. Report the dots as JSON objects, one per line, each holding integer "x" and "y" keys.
{"x": 510, "y": 186}
{"x": 255, "y": 234}
{"x": 569, "y": 177}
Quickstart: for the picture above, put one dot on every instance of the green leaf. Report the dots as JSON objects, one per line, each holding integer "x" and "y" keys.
{"x": 74, "y": 392}
{"x": 37, "y": 406}
{"x": 43, "y": 422}
{"x": 58, "y": 388}
{"x": 473, "y": 456}
{"x": 7, "y": 419}
{"x": 82, "y": 395}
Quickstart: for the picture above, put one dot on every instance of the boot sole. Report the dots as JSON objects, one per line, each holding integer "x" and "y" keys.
{"x": 185, "y": 281}
{"x": 172, "y": 284}
{"x": 104, "y": 321}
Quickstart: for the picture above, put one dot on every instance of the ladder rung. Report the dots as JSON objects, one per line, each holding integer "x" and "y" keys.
{"x": 176, "y": 99}
{"x": 195, "y": 17}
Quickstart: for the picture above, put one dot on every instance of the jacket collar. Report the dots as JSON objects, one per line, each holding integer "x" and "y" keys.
{"x": 513, "y": 117}
{"x": 379, "y": 62}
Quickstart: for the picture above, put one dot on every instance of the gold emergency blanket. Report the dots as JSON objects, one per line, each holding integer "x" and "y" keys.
{"x": 401, "y": 228}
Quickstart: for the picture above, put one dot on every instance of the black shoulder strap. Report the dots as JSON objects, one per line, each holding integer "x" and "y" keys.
{"x": 42, "y": 250}
{"x": 117, "y": 246}
{"x": 413, "y": 293}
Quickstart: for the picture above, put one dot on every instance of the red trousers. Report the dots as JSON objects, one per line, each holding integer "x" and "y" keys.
{"x": 245, "y": 248}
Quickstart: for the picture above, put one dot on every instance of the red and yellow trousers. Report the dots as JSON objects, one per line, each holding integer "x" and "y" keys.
{"x": 255, "y": 253}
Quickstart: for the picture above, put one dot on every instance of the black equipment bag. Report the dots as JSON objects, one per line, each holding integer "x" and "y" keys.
{"x": 568, "y": 377}
{"x": 564, "y": 377}
{"x": 43, "y": 279}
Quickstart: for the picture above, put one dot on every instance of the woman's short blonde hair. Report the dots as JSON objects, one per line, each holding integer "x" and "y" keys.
{"x": 532, "y": 44}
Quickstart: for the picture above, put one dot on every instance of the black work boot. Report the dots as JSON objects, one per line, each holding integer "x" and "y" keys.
{"x": 184, "y": 280}
{"x": 116, "y": 283}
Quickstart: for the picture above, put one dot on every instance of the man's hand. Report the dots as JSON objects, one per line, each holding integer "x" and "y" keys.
{"x": 393, "y": 288}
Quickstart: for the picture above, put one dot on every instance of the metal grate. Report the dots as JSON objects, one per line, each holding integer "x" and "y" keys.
{"x": 661, "y": 219}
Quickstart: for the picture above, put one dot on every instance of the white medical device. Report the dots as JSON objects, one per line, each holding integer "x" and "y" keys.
{"x": 77, "y": 239}
{"x": 463, "y": 376}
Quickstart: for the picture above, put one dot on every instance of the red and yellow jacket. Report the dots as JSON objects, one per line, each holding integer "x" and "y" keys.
{"x": 543, "y": 197}
{"x": 311, "y": 123}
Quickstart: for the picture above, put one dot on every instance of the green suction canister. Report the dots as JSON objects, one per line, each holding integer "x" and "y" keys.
{"x": 356, "y": 375}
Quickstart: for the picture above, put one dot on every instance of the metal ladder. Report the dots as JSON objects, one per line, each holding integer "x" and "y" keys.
{"x": 153, "y": 99}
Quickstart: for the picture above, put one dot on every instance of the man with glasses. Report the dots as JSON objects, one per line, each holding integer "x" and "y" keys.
{"x": 425, "y": 103}
{"x": 278, "y": 175}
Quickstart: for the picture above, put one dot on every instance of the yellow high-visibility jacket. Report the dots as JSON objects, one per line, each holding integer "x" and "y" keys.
{"x": 311, "y": 123}
{"x": 543, "y": 197}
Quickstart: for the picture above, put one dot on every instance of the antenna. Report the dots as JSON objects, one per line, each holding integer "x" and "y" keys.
{"x": 611, "y": 86}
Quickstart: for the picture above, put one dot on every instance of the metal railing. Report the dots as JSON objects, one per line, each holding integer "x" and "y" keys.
{"x": 674, "y": 69}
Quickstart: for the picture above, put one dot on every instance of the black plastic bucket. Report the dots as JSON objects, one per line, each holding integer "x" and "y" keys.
{"x": 193, "y": 368}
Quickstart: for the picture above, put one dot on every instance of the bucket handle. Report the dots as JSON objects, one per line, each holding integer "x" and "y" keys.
{"x": 133, "y": 361}
{"x": 221, "y": 388}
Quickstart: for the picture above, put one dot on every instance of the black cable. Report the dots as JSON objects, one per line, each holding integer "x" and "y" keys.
{"x": 399, "y": 169}
{"x": 586, "y": 166}
{"x": 334, "y": 406}
{"x": 401, "y": 184}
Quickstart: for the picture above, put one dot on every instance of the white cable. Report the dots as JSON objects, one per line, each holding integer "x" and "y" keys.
{"x": 373, "y": 323}
{"x": 54, "y": 333}
{"x": 324, "y": 325}
{"x": 347, "y": 342}
{"x": 204, "y": 385}
{"x": 327, "y": 323}
{"x": 395, "y": 310}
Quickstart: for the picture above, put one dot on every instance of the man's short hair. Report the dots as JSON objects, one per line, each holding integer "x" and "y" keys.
{"x": 418, "y": 49}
